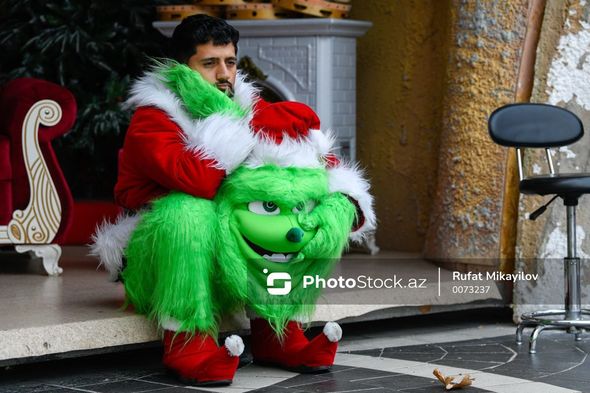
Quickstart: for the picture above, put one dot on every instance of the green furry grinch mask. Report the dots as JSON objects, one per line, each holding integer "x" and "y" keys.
{"x": 193, "y": 260}
{"x": 278, "y": 220}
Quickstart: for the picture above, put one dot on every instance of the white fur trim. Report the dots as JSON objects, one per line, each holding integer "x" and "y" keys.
{"x": 226, "y": 139}
{"x": 349, "y": 180}
{"x": 323, "y": 142}
{"x": 170, "y": 324}
{"x": 234, "y": 345}
{"x": 221, "y": 138}
{"x": 150, "y": 90}
{"x": 301, "y": 152}
{"x": 245, "y": 94}
{"x": 333, "y": 332}
{"x": 109, "y": 241}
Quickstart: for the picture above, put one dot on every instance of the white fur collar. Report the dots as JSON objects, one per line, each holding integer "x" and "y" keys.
{"x": 220, "y": 137}
{"x": 150, "y": 90}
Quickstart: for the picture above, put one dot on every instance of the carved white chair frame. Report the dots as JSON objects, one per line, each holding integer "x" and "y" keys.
{"x": 35, "y": 227}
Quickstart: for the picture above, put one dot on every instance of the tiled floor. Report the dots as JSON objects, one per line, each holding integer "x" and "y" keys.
{"x": 82, "y": 310}
{"x": 396, "y": 355}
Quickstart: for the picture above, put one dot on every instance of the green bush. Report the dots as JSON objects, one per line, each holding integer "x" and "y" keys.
{"x": 95, "y": 49}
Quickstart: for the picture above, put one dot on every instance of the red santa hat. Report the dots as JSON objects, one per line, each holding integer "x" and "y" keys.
{"x": 288, "y": 134}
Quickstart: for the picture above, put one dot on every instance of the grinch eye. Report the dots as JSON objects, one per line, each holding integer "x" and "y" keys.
{"x": 304, "y": 207}
{"x": 264, "y": 208}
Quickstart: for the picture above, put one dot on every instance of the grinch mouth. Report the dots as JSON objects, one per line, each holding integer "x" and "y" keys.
{"x": 269, "y": 255}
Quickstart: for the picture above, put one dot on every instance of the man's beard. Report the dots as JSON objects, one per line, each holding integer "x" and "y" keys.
{"x": 226, "y": 87}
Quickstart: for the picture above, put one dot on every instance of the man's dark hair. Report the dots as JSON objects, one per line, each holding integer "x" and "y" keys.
{"x": 197, "y": 30}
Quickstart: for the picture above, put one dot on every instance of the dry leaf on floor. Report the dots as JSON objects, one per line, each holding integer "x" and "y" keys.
{"x": 449, "y": 381}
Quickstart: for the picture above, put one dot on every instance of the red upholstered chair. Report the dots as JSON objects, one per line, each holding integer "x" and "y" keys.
{"x": 35, "y": 200}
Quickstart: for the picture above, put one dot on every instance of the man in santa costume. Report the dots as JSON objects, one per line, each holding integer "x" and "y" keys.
{"x": 179, "y": 140}
{"x": 193, "y": 126}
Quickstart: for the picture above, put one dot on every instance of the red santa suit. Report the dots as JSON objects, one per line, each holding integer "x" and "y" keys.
{"x": 165, "y": 149}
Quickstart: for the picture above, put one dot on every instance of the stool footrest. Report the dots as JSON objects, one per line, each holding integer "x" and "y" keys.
{"x": 541, "y": 320}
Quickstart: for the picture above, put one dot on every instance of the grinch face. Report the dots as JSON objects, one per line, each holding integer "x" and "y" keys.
{"x": 268, "y": 232}
{"x": 259, "y": 213}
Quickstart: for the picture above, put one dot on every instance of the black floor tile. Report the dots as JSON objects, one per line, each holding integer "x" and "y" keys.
{"x": 355, "y": 374}
{"x": 333, "y": 385}
{"x": 469, "y": 364}
{"x": 401, "y": 381}
{"x": 440, "y": 388}
{"x": 369, "y": 352}
{"x": 301, "y": 380}
{"x": 277, "y": 389}
{"x": 180, "y": 389}
{"x": 162, "y": 378}
{"x": 126, "y": 386}
{"x": 23, "y": 388}
{"x": 82, "y": 371}
{"x": 415, "y": 356}
{"x": 338, "y": 379}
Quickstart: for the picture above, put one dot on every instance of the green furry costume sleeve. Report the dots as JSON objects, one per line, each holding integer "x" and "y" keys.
{"x": 209, "y": 100}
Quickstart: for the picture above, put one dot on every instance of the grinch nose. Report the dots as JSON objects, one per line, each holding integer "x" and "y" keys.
{"x": 295, "y": 235}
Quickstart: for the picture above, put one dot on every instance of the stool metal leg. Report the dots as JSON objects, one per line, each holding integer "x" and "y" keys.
{"x": 573, "y": 303}
{"x": 572, "y": 316}
{"x": 534, "y": 337}
{"x": 521, "y": 326}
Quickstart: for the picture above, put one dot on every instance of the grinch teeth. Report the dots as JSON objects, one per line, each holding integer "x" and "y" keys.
{"x": 266, "y": 254}
{"x": 281, "y": 258}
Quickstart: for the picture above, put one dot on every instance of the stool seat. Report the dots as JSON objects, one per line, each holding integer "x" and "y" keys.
{"x": 558, "y": 184}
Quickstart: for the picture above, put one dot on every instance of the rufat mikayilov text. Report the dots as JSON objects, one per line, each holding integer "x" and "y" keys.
{"x": 494, "y": 276}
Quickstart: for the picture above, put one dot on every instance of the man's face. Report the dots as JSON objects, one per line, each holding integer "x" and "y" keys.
{"x": 217, "y": 64}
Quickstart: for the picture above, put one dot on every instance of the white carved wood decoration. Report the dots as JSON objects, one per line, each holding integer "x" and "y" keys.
{"x": 36, "y": 226}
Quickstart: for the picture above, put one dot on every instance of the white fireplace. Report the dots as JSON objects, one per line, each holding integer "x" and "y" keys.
{"x": 308, "y": 60}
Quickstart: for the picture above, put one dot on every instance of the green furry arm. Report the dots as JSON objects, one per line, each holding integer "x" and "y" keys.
{"x": 333, "y": 217}
{"x": 200, "y": 97}
{"x": 170, "y": 262}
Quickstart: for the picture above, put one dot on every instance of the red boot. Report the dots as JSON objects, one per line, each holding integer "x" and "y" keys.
{"x": 197, "y": 360}
{"x": 296, "y": 352}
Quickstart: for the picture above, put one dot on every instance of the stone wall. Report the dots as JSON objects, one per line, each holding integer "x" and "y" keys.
{"x": 482, "y": 73}
{"x": 400, "y": 87}
{"x": 562, "y": 78}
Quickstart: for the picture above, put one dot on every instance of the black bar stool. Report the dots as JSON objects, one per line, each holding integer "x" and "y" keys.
{"x": 546, "y": 126}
